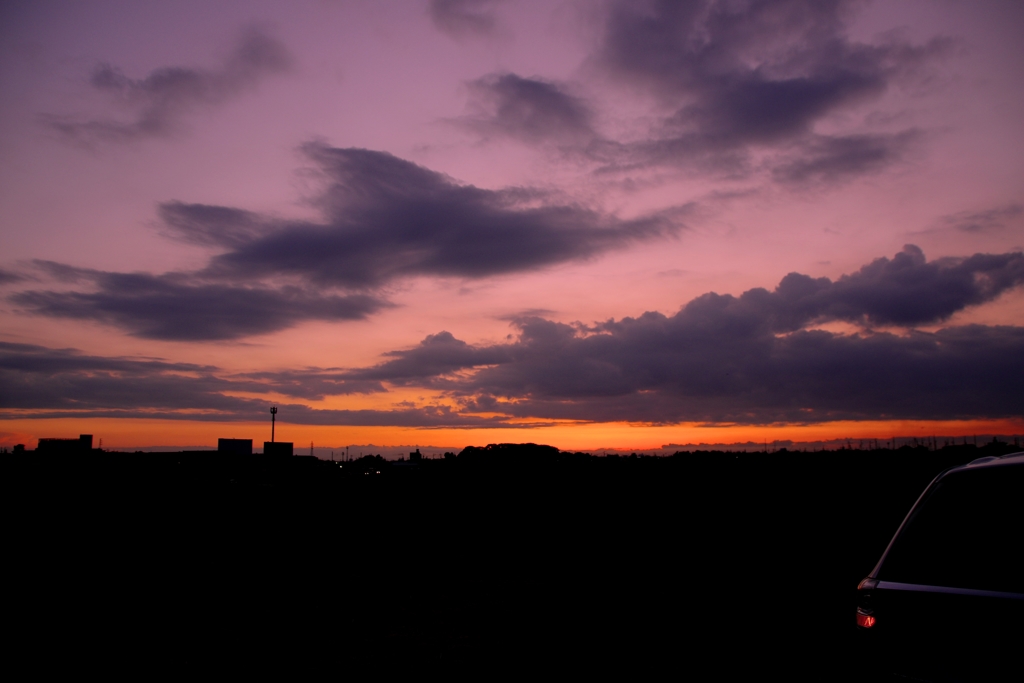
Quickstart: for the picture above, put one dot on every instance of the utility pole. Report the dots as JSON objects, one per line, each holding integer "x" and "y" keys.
{"x": 273, "y": 418}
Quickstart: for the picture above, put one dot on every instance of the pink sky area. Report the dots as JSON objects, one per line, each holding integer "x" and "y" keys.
{"x": 591, "y": 224}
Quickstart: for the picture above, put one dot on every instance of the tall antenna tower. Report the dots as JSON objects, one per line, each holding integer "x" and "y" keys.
{"x": 273, "y": 419}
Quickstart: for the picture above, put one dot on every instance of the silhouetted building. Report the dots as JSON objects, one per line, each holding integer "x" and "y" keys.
{"x": 277, "y": 448}
{"x": 83, "y": 444}
{"x": 19, "y": 448}
{"x": 416, "y": 456}
{"x": 235, "y": 446}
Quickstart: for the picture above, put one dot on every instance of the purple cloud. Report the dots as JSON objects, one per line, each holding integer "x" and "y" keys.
{"x": 464, "y": 18}
{"x": 752, "y": 358}
{"x": 159, "y": 101}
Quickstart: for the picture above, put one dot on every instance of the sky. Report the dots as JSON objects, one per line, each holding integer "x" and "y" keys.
{"x": 457, "y": 222}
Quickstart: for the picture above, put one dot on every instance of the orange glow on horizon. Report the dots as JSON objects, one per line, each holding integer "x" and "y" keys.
{"x": 143, "y": 433}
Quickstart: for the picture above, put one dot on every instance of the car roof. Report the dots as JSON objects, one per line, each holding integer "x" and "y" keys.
{"x": 991, "y": 461}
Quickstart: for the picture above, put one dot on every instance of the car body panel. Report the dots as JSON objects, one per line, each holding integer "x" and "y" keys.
{"x": 946, "y": 600}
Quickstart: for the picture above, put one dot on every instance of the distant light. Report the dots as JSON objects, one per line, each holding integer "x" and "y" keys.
{"x": 865, "y": 620}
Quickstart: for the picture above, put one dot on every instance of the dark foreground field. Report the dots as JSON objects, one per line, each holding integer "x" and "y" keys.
{"x": 514, "y": 561}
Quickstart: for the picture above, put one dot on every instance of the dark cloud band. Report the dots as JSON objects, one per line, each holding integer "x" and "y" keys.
{"x": 176, "y": 308}
{"x": 7, "y": 277}
{"x": 40, "y": 383}
{"x": 387, "y": 218}
{"x": 754, "y": 358}
{"x": 751, "y": 358}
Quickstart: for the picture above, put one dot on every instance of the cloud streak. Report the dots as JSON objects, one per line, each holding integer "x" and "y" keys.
{"x": 752, "y": 359}
{"x": 530, "y": 110}
{"x": 7, "y": 277}
{"x": 40, "y": 383}
{"x": 461, "y": 19}
{"x": 179, "y": 307}
{"x": 833, "y": 159}
{"x": 158, "y": 102}
{"x": 988, "y": 220}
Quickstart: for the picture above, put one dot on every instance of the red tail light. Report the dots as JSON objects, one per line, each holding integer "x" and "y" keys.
{"x": 865, "y": 620}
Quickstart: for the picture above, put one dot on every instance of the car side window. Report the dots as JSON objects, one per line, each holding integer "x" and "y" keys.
{"x": 965, "y": 534}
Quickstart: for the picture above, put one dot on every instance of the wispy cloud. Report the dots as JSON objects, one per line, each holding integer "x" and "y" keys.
{"x": 832, "y": 159}
{"x": 7, "y": 277}
{"x": 531, "y": 110}
{"x": 986, "y": 220}
{"x": 157, "y": 103}
{"x": 464, "y": 18}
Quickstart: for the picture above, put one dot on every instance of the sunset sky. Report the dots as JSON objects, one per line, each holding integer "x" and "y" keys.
{"x": 589, "y": 224}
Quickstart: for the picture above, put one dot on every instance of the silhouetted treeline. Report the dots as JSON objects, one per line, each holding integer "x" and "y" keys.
{"x": 504, "y": 559}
